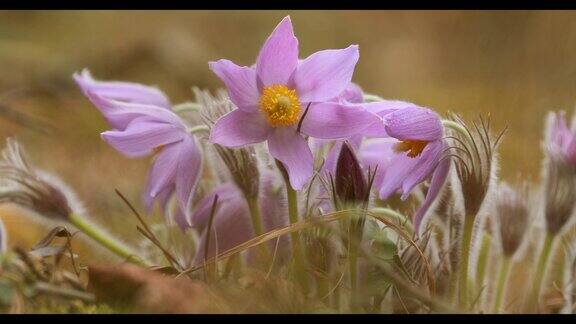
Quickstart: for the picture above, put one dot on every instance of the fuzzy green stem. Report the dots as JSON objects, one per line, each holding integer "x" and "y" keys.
{"x": 104, "y": 239}
{"x": 256, "y": 217}
{"x": 501, "y": 283}
{"x": 355, "y": 232}
{"x": 482, "y": 261}
{"x": 296, "y": 246}
{"x": 464, "y": 262}
{"x": 540, "y": 272}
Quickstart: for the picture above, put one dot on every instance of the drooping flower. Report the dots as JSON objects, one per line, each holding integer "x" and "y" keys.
{"x": 231, "y": 223}
{"x": 282, "y": 98}
{"x": 418, "y": 154}
{"x": 143, "y": 124}
{"x": 405, "y": 148}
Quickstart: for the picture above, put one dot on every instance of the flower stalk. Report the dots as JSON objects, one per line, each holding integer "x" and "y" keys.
{"x": 256, "y": 218}
{"x": 501, "y": 283}
{"x": 540, "y": 272}
{"x": 464, "y": 261}
{"x": 482, "y": 261}
{"x": 104, "y": 239}
{"x": 292, "y": 197}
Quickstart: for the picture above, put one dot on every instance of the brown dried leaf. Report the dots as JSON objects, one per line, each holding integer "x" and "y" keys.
{"x": 141, "y": 290}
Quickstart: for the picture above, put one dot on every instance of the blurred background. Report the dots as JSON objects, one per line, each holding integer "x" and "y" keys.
{"x": 514, "y": 65}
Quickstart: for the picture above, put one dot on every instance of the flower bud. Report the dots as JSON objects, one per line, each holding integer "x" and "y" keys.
{"x": 349, "y": 183}
{"x": 559, "y": 172}
{"x": 512, "y": 216}
{"x": 32, "y": 189}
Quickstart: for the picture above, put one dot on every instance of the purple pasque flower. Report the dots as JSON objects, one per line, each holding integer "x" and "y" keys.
{"x": 560, "y": 140}
{"x": 232, "y": 224}
{"x": 376, "y": 129}
{"x": 273, "y": 95}
{"x": 417, "y": 154}
{"x": 143, "y": 124}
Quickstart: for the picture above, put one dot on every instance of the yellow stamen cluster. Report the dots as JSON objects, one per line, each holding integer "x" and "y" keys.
{"x": 413, "y": 147}
{"x": 280, "y": 105}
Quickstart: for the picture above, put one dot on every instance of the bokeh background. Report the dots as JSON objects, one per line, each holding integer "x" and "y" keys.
{"x": 513, "y": 65}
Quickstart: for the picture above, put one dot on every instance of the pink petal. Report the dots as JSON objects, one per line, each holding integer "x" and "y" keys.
{"x": 231, "y": 227}
{"x": 438, "y": 179}
{"x": 395, "y": 174}
{"x": 163, "y": 172}
{"x": 201, "y": 214}
{"x": 385, "y": 107}
{"x": 240, "y": 82}
{"x": 187, "y": 174}
{"x": 238, "y": 128}
{"x": 141, "y": 137}
{"x": 381, "y": 108}
{"x": 414, "y": 123}
{"x": 119, "y": 114}
{"x": 290, "y": 148}
{"x": 278, "y": 57}
{"x": 352, "y": 94}
{"x": 377, "y": 154}
{"x": 332, "y": 156}
{"x": 325, "y": 74}
{"x": 332, "y": 120}
{"x": 122, "y": 91}
{"x": 427, "y": 162}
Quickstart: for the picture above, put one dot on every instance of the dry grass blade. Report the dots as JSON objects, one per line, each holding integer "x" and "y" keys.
{"x": 308, "y": 223}
{"x": 148, "y": 233}
{"x": 407, "y": 238}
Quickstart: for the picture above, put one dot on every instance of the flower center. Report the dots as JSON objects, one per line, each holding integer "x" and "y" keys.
{"x": 414, "y": 148}
{"x": 280, "y": 105}
{"x": 156, "y": 150}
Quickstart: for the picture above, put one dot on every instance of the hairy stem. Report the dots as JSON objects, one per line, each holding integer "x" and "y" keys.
{"x": 296, "y": 245}
{"x": 540, "y": 272}
{"x": 256, "y": 217}
{"x": 464, "y": 262}
{"x": 482, "y": 261}
{"x": 104, "y": 239}
{"x": 355, "y": 233}
{"x": 501, "y": 283}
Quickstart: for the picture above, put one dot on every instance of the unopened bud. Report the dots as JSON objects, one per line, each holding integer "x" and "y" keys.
{"x": 350, "y": 183}
{"x": 512, "y": 216}
{"x": 559, "y": 172}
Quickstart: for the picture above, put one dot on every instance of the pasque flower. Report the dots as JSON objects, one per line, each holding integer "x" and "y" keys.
{"x": 143, "y": 124}
{"x": 417, "y": 153}
{"x": 405, "y": 148}
{"x": 231, "y": 223}
{"x": 282, "y": 98}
